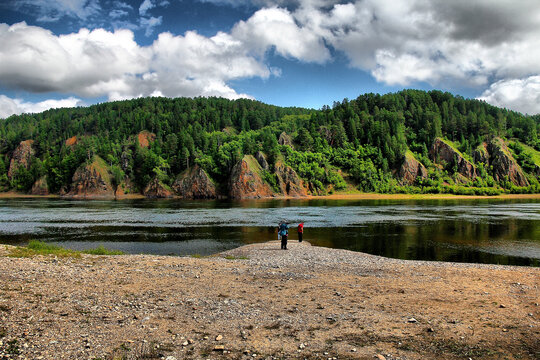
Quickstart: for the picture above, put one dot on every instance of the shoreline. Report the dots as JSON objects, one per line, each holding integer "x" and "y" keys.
{"x": 306, "y": 302}
{"x": 354, "y": 196}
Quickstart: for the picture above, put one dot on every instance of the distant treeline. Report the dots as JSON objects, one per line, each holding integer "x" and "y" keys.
{"x": 357, "y": 143}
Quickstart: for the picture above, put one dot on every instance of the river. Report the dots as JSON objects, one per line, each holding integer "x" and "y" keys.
{"x": 480, "y": 231}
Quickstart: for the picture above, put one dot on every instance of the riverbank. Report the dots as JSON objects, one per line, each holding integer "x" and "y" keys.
{"x": 347, "y": 196}
{"x": 306, "y": 302}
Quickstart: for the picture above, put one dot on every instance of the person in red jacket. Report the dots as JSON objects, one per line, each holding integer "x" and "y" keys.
{"x": 300, "y": 231}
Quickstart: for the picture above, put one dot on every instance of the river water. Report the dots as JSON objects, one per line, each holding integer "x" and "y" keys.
{"x": 482, "y": 231}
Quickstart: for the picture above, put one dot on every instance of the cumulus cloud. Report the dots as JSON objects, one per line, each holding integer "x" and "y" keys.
{"x": 9, "y": 106}
{"x": 277, "y": 28}
{"x": 516, "y": 94}
{"x": 98, "y": 62}
{"x": 485, "y": 44}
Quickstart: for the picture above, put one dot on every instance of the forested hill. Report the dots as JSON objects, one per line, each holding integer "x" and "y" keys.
{"x": 410, "y": 141}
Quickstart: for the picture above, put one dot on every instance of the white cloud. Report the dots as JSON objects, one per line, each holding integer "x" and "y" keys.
{"x": 150, "y": 23}
{"x": 517, "y": 94}
{"x": 53, "y": 10}
{"x": 277, "y": 28}
{"x": 118, "y": 13}
{"x": 145, "y": 6}
{"x": 9, "y": 106}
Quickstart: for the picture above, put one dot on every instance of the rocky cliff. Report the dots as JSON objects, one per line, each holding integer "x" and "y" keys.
{"x": 246, "y": 180}
{"x": 411, "y": 169}
{"x": 261, "y": 158}
{"x": 503, "y": 163}
{"x": 21, "y": 157}
{"x": 156, "y": 189}
{"x": 145, "y": 138}
{"x": 195, "y": 184}
{"x": 92, "y": 181}
{"x": 289, "y": 182}
{"x": 442, "y": 152}
{"x": 285, "y": 139}
{"x": 40, "y": 187}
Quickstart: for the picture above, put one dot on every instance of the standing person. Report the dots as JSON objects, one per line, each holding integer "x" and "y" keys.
{"x": 278, "y": 229}
{"x": 300, "y": 232}
{"x": 284, "y": 232}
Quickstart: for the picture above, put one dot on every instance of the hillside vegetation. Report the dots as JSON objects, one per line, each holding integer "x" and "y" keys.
{"x": 411, "y": 141}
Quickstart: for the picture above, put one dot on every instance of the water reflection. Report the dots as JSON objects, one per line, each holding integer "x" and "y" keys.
{"x": 485, "y": 231}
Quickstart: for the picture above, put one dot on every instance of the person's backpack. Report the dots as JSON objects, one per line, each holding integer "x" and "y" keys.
{"x": 301, "y": 227}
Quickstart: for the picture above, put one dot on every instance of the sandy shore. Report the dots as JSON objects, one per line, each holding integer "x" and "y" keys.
{"x": 258, "y": 301}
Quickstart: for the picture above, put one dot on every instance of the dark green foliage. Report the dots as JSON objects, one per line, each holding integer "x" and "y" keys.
{"x": 362, "y": 141}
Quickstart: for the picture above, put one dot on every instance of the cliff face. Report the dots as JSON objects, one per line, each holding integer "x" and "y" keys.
{"x": 481, "y": 154}
{"x": 246, "y": 181}
{"x": 441, "y": 151}
{"x": 285, "y": 139}
{"x": 503, "y": 163}
{"x": 145, "y": 138}
{"x": 261, "y": 158}
{"x": 289, "y": 182}
{"x": 156, "y": 189}
{"x": 195, "y": 184}
{"x": 21, "y": 157}
{"x": 40, "y": 187}
{"x": 411, "y": 169}
{"x": 92, "y": 181}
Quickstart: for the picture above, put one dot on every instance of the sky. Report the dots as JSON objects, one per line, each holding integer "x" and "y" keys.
{"x": 309, "y": 53}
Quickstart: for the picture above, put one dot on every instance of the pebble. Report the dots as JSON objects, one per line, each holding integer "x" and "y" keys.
{"x": 412, "y": 320}
{"x": 219, "y": 337}
{"x": 219, "y": 348}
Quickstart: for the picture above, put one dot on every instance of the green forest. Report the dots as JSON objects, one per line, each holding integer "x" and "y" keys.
{"x": 353, "y": 145}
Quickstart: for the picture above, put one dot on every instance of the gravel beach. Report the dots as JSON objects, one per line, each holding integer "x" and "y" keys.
{"x": 258, "y": 301}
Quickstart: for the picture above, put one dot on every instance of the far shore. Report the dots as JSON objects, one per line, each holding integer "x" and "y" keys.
{"x": 338, "y": 196}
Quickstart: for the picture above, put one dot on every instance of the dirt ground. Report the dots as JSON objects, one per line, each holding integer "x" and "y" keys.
{"x": 258, "y": 301}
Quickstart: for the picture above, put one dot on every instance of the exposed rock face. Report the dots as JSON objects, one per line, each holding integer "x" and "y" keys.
{"x": 21, "y": 157}
{"x": 145, "y": 138}
{"x": 195, "y": 184}
{"x": 285, "y": 139}
{"x": 71, "y": 141}
{"x": 411, "y": 169}
{"x": 92, "y": 181}
{"x": 481, "y": 154}
{"x": 156, "y": 189}
{"x": 262, "y": 160}
{"x": 40, "y": 187}
{"x": 125, "y": 188}
{"x": 289, "y": 182}
{"x": 246, "y": 181}
{"x": 503, "y": 163}
{"x": 443, "y": 152}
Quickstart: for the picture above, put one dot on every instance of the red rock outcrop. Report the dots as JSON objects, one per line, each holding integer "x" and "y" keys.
{"x": 441, "y": 151}
{"x": 72, "y": 141}
{"x": 246, "y": 181}
{"x": 92, "y": 181}
{"x": 195, "y": 184}
{"x": 145, "y": 138}
{"x": 21, "y": 157}
{"x": 411, "y": 169}
{"x": 289, "y": 182}
{"x": 156, "y": 189}
{"x": 503, "y": 163}
{"x": 40, "y": 187}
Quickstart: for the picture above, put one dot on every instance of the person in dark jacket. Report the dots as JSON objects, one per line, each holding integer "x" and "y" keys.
{"x": 284, "y": 232}
{"x": 300, "y": 232}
